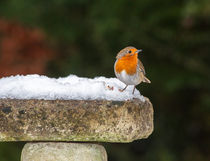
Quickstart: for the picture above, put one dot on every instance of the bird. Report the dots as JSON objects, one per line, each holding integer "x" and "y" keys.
{"x": 129, "y": 69}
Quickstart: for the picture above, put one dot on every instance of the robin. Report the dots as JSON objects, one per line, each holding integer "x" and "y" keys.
{"x": 129, "y": 69}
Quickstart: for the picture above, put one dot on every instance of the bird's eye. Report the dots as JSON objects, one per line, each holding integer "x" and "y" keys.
{"x": 129, "y": 51}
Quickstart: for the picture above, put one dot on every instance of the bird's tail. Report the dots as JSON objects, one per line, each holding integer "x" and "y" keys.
{"x": 146, "y": 80}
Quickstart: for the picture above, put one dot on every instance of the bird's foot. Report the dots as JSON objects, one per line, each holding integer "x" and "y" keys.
{"x": 121, "y": 90}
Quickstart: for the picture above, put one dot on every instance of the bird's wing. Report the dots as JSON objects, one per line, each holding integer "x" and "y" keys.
{"x": 141, "y": 67}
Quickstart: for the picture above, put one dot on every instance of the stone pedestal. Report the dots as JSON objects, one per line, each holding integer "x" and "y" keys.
{"x": 60, "y": 151}
{"x": 73, "y": 120}
{"x": 56, "y": 122}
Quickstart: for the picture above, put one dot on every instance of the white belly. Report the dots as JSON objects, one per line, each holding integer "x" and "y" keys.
{"x": 128, "y": 79}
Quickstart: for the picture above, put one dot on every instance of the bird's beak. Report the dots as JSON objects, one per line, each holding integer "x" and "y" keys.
{"x": 138, "y": 51}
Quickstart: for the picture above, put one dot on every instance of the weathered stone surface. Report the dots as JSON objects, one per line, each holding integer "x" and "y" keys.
{"x": 73, "y": 120}
{"x": 63, "y": 152}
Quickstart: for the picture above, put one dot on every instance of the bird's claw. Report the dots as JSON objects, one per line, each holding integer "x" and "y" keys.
{"x": 121, "y": 90}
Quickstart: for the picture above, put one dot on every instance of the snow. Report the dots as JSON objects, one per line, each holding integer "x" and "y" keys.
{"x": 71, "y": 87}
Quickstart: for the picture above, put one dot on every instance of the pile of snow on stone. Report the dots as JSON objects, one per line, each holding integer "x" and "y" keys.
{"x": 67, "y": 88}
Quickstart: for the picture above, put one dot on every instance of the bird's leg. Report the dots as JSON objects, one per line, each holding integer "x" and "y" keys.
{"x": 134, "y": 89}
{"x": 121, "y": 90}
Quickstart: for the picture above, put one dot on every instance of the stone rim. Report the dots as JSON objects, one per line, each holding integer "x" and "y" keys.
{"x": 51, "y": 117}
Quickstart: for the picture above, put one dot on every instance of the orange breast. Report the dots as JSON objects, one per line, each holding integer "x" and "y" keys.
{"x": 127, "y": 63}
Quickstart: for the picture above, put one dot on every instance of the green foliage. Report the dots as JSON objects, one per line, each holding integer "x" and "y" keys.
{"x": 10, "y": 151}
{"x": 174, "y": 36}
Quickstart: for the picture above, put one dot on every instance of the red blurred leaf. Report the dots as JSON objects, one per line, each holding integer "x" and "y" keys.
{"x": 22, "y": 50}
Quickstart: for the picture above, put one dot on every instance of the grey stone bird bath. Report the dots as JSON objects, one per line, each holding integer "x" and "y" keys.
{"x": 69, "y": 130}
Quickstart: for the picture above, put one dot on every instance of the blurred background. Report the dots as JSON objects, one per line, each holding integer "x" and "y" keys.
{"x": 61, "y": 37}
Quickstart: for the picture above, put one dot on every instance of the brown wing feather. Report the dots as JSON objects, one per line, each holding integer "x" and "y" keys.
{"x": 141, "y": 67}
